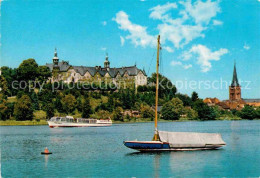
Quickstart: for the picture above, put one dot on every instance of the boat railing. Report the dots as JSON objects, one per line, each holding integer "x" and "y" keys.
{"x": 70, "y": 119}
{"x": 90, "y": 121}
{"x": 62, "y": 119}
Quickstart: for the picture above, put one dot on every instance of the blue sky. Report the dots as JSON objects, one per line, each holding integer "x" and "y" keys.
{"x": 200, "y": 39}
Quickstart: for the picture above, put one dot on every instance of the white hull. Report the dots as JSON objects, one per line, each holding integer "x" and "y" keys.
{"x": 67, "y": 124}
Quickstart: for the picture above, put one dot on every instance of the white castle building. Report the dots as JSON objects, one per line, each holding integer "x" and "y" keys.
{"x": 63, "y": 71}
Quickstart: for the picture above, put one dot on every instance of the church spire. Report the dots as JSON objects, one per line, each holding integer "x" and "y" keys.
{"x": 55, "y": 53}
{"x": 106, "y": 63}
{"x": 235, "y": 80}
{"x": 55, "y": 58}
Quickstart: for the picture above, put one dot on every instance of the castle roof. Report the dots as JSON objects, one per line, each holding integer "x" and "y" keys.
{"x": 113, "y": 72}
{"x": 63, "y": 65}
{"x": 252, "y": 100}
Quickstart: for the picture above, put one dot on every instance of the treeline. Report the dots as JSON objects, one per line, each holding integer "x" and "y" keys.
{"x": 102, "y": 102}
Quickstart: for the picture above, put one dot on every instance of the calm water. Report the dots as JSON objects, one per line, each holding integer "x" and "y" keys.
{"x": 99, "y": 152}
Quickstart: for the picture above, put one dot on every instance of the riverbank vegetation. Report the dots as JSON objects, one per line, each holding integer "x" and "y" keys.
{"x": 40, "y": 102}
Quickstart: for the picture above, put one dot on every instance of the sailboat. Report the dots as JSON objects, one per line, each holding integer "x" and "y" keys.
{"x": 175, "y": 141}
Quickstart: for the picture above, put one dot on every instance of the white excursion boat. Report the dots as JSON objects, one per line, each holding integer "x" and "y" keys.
{"x": 69, "y": 121}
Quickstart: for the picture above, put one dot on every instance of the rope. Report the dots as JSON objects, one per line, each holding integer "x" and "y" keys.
{"x": 148, "y": 73}
{"x": 161, "y": 62}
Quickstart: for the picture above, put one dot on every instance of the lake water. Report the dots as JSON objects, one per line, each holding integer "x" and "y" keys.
{"x": 99, "y": 152}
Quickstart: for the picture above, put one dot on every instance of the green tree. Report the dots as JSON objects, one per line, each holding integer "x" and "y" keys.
{"x": 69, "y": 103}
{"x": 23, "y": 109}
{"x": 110, "y": 103}
{"x": 165, "y": 85}
{"x": 168, "y": 113}
{"x": 86, "y": 108}
{"x": 10, "y": 108}
{"x": 49, "y": 109}
{"x": 185, "y": 99}
{"x": 3, "y": 108}
{"x": 10, "y": 75}
{"x": 172, "y": 110}
{"x": 44, "y": 73}
{"x": 194, "y": 96}
{"x": 28, "y": 70}
{"x": 178, "y": 105}
{"x": 117, "y": 114}
{"x": 147, "y": 111}
{"x": 257, "y": 112}
{"x": 101, "y": 114}
{"x": 204, "y": 111}
{"x": 125, "y": 99}
{"x": 58, "y": 105}
{"x": 247, "y": 112}
{"x": 79, "y": 104}
{"x": 191, "y": 113}
{"x": 3, "y": 85}
{"x": 35, "y": 101}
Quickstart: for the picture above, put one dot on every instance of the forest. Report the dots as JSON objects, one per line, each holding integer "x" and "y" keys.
{"x": 27, "y": 94}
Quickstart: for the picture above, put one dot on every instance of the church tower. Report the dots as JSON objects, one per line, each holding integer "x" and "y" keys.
{"x": 106, "y": 63}
{"x": 234, "y": 89}
{"x": 55, "y": 60}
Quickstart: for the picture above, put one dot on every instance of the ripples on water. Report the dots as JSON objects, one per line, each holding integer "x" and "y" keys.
{"x": 99, "y": 152}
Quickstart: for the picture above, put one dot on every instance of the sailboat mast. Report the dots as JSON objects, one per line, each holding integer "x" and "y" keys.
{"x": 156, "y": 135}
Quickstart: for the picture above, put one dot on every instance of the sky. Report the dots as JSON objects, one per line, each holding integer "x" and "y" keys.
{"x": 200, "y": 40}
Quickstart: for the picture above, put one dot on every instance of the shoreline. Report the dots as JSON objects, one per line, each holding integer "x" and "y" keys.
{"x": 43, "y": 122}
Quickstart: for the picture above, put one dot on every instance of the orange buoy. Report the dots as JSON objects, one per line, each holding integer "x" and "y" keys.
{"x": 46, "y": 152}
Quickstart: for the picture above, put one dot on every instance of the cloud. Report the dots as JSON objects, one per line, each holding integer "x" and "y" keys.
{"x": 190, "y": 23}
{"x": 142, "y": 0}
{"x": 246, "y": 46}
{"x": 187, "y": 66}
{"x": 186, "y": 55}
{"x": 176, "y": 63}
{"x": 122, "y": 40}
{"x": 217, "y": 22}
{"x": 158, "y": 12}
{"x": 138, "y": 34}
{"x": 103, "y": 49}
{"x": 202, "y": 12}
{"x": 180, "y": 35}
{"x": 179, "y": 63}
{"x": 204, "y": 55}
{"x": 169, "y": 49}
{"x": 193, "y": 20}
{"x": 104, "y": 23}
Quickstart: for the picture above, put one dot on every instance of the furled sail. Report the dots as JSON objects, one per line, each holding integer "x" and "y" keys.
{"x": 191, "y": 139}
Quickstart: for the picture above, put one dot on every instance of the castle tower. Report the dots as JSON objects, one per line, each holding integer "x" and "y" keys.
{"x": 234, "y": 89}
{"x": 55, "y": 60}
{"x": 106, "y": 63}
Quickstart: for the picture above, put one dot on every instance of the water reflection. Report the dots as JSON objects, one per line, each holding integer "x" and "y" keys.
{"x": 180, "y": 161}
{"x": 156, "y": 159}
{"x": 46, "y": 157}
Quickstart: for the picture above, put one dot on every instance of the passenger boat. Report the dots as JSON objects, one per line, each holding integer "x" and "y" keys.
{"x": 175, "y": 141}
{"x": 69, "y": 121}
